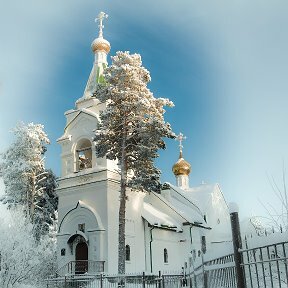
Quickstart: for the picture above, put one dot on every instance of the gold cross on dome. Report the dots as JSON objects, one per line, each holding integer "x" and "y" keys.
{"x": 180, "y": 138}
{"x": 99, "y": 19}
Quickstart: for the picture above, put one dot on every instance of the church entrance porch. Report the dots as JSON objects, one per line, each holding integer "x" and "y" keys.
{"x": 81, "y": 258}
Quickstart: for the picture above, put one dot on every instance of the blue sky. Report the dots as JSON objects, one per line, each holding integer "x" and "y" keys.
{"x": 224, "y": 64}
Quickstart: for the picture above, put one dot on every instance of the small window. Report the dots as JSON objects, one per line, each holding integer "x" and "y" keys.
{"x": 205, "y": 219}
{"x": 63, "y": 252}
{"x": 190, "y": 261}
{"x": 81, "y": 227}
{"x": 165, "y": 256}
{"x": 127, "y": 249}
{"x": 203, "y": 244}
{"x": 194, "y": 254}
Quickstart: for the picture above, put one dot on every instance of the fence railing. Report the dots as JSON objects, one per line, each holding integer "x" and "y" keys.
{"x": 252, "y": 265}
{"x": 118, "y": 281}
{"x": 219, "y": 272}
{"x": 81, "y": 267}
{"x": 266, "y": 266}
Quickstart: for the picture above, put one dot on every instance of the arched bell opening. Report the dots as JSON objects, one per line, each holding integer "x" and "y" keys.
{"x": 83, "y": 155}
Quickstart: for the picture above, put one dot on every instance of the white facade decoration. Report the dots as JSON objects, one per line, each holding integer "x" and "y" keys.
{"x": 172, "y": 223}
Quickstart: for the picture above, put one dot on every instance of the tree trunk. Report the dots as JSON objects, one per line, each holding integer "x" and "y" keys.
{"x": 121, "y": 236}
{"x": 122, "y": 209}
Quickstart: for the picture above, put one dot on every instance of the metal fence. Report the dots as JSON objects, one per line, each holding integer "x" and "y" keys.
{"x": 257, "y": 266}
{"x": 218, "y": 273}
{"x": 81, "y": 267}
{"x": 119, "y": 281}
{"x": 263, "y": 266}
{"x": 266, "y": 266}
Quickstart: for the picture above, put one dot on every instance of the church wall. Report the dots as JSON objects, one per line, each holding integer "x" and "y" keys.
{"x": 164, "y": 239}
{"x": 95, "y": 196}
{"x": 112, "y": 227}
{"x": 135, "y": 232}
{"x": 218, "y": 218}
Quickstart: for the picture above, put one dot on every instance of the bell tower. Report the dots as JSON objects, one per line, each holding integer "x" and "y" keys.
{"x": 78, "y": 152}
{"x": 88, "y": 189}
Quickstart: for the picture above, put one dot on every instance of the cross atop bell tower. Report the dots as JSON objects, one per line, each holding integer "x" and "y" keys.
{"x": 100, "y": 48}
{"x": 99, "y": 19}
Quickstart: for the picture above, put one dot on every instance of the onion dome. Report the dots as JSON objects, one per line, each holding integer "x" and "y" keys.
{"x": 100, "y": 44}
{"x": 181, "y": 167}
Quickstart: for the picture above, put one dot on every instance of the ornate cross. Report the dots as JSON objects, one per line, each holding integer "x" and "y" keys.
{"x": 180, "y": 138}
{"x": 99, "y": 19}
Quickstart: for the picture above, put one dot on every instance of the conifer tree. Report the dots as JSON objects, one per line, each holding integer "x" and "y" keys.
{"x": 27, "y": 183}
{"x": 131, "y": 130}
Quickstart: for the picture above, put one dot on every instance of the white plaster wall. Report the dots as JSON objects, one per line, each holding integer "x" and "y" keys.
{"x": 135, "y": 232}
{"x": 170, "y": 240}
{"x": 218, "y": 218}
{"x": 112, "y": 227}
{"x": 95, "y": 195}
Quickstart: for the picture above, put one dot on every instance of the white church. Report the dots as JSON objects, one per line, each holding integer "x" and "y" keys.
{"x": 166, "y": 231}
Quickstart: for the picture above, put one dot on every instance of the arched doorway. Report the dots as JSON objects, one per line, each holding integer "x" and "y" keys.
{"x": 81, "y": 257}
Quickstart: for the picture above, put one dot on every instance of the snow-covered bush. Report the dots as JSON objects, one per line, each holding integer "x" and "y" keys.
{"x": 24, "y": 260}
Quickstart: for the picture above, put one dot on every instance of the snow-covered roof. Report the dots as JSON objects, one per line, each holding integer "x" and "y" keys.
{"x": 189, "y": 212}
{"x": 82, "y": 110}
{"x": 199, "y": 195}
{"x": 158, "y": 218}
{"x": 64, "y": 137}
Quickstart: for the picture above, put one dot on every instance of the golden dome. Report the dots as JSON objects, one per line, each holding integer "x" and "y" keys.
{"x": 181, "y": 167}
{"x": 100, "y": 44}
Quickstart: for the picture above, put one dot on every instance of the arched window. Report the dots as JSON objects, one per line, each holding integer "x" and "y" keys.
{"x": 165, "y": 256}
{"x": 127, "y": 249}
{"x": 83, "y": 155}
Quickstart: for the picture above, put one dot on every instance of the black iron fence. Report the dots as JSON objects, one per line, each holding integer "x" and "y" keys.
{"x": 81, "y": 267}
{"x": 266, "y": 266}
{"x": 252, "y": 265}
{"x": 218, "y": 273}
{"x": 118, "y": 281}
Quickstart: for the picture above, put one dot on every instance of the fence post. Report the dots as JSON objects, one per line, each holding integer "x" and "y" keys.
{"x": 237, "y": 244}
{"x": 101, "y": 280}
{"x": 160, "y": 279}
{"x": 143, "y": 279}
{"x": 205, "y": 278}
{"x": 65, "y": 282}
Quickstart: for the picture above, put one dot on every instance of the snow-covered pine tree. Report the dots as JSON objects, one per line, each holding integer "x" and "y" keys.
{"x": 27, "y": 183}
{"x": 45, "y": 212}
{"x": 131, "y": 131}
